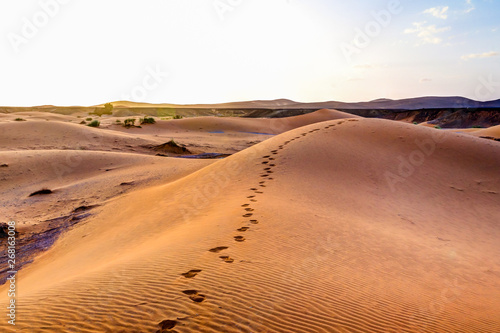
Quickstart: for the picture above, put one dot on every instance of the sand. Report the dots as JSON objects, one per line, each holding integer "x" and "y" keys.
{"x": 343, "y": 225}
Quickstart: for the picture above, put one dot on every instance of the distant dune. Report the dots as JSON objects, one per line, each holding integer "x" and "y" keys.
{"x": 431, "y": 102}
{"x": 334, "y": 225}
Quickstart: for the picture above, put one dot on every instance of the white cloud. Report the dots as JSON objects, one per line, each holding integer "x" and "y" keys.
{"x": 480, "y": 55}
{"x": 439, "y": 12}
{"x": 427, "y": 34}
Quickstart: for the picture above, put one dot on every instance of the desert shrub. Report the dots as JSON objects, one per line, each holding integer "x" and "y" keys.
{"x": 19, "y": 119}
{"x": 437, "y": 126}
{"x": 83, "y": 122}
{"x": 177, "y": 116}
{"x": 129, "y": 122}
{"x": 148, "y": 120}
{"x": 415, "y": 123}
{"x": 94, "y": 123}
{"x": 118, "y": 121}
{"x": 477, "y": 126}
{"x": 108, "y": 109}
{"x": 88, "y": 119}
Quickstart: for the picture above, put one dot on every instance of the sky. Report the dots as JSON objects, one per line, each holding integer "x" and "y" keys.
{"x": 87, "y": 52}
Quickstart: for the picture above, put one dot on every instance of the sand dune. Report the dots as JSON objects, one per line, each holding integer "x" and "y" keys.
{"x": 77, "y": 178}
{"x": 493, "y": 131}
{"x": 43, "y": 135}
{"x": 245, "y": 125}
{"x": 357, "y": 225}
{"x": 200, "y": 134}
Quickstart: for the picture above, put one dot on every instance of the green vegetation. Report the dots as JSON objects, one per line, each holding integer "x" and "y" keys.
{"x": 118, "y": 121}
{"x": 166, "y": 112}
{"x": 108, "y": 109}
{"x": 477, "y": 126}
{"x": 415, "y": 123}
{"x": 19, "y": 119}
{"x": 94, "y": 123}
{"x": 437, "y": 126}
{"x": 88, "y": 119}
{"x": 177, "y": 116}
{"x": 148, "y": 120}
{"x": 129, "y": 122}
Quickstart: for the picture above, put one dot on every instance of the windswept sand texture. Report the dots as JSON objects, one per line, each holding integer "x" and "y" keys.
{"x": 346, "y": 225}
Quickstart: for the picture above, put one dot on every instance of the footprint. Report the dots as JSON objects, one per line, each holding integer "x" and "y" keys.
{"x": 249, "y": 209}
{"x": 264, "y": 175}
{"x": 274, "y": 151}
{"x": 253, "y": 200}
{"x": 194, "y": 296}
{"x": 262, "y": 182}
{"x": 192, "y": 273}
{"x": 251, "y": 196}
{"x": 267, "y": 169}
{"x": 271, "y": 159}
{"x": 262, "y": 185}
{"x": 242, "y": 229}
{"x": 227, "y": 259}
{"x": 218, "y": 249}
{"x": 248, "y": 215}
{"x": 272, "y": 165}
{"x": 253, "y": 189}
{"x": 254, "y": 221}
{"x": 268, "y": 179}
{"x": 167, "y": 324}
{"x": 245, "y": 205}
{"x": 267, "y": 156}
{"x": 239, "y": 238}
{"x": 259, "y": 192}
{"x": 265, "y": 162}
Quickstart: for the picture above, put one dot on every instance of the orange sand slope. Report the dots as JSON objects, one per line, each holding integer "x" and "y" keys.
{"x": 77, "y": 178}
{"x": 255, "y": 125}
{"x": 359, "y": 225}
{"x": 493, "y": 131}
{"x": 47, "y": 131}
